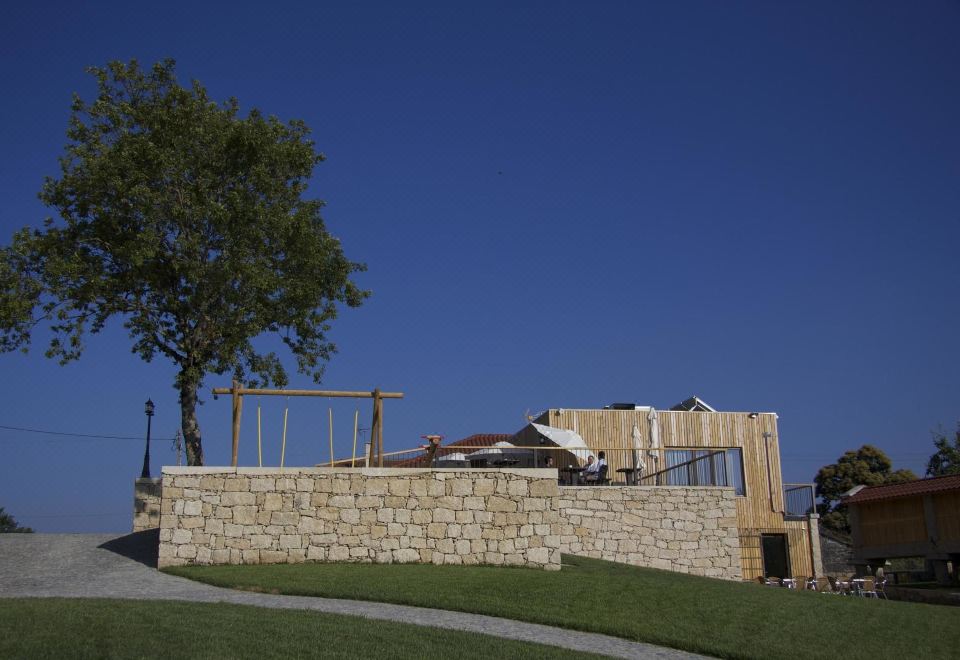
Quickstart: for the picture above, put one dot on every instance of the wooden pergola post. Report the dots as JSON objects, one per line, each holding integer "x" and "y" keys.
{"x": 237, "y": 411}
{"x": 376, "y": 431}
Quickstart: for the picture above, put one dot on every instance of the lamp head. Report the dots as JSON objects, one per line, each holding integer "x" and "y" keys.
{"x": 148, "y": 408}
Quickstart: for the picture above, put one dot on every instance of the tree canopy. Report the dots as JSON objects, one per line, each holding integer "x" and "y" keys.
{"x": 9, "y": 525}
{"x": 868, "y": 466}
{"x": 187, "y": 221}
{"x": 946, "y": 459}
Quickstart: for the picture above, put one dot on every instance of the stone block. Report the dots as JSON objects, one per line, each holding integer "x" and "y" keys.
{"x": 288, "y": 541}
{"x": 495, "y": 503}
{"x": 263, "y": 485}
{"x": 406, "y": 556}
{"x": 181, "y": 536}
{"x": 238, "y": 498}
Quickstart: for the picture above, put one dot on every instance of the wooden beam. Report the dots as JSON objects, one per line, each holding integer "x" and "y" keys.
{"x": 325, "y": 393}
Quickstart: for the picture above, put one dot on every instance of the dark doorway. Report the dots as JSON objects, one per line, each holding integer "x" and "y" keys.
{"x": 776, "y": 562}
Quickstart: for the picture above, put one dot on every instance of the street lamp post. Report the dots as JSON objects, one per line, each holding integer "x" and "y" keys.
{"x": 148, "y": 409}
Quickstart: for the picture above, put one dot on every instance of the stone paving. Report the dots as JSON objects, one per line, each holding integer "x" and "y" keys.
{"x": 108, "y": 566}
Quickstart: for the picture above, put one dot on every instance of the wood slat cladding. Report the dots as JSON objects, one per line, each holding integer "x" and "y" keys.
{"x": 947, "y": 506}
{"x": 891, "y": 522}
{"x": 762, "y": 507}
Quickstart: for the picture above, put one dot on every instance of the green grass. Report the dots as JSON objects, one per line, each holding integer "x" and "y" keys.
{"x": 67, "y": 628}
{"x": 715, "y": 617}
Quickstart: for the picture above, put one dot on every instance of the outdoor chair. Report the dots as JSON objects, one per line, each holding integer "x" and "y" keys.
{"x": 762, "y": 580}
{"x": 881, "y": 588}
{"x": 869, "y": 588}
{"x": 836, "y": 586}
{"x": 602, "y": 479}
{"x": 825, "y": 586}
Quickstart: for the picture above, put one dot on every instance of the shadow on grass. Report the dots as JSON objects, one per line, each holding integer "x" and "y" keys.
{"x": 139, "y": 546}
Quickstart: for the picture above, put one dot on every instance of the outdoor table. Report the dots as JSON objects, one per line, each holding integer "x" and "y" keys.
{"x": 573, "y": 474}
{"x": 856, "y": 586}
{"x": 631, "y": 475}
{"x": 788, "y": 583}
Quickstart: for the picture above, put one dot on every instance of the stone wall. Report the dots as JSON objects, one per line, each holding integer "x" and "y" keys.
{"x": 837, "y": 553}
{"x": 254, "y": 515}
{"x": 688, "y": 530}
{"x": 146, "y": 504}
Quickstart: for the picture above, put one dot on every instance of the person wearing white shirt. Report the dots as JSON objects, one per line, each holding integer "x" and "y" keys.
{"x": 592, "y": 471}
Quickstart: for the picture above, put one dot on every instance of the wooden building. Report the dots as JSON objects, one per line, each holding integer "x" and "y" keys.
{"x": 773, "y": 542}
{"x": 914, "y": 519}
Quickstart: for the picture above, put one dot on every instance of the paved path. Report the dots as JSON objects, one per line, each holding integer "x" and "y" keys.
{"x": 107, "y": 566}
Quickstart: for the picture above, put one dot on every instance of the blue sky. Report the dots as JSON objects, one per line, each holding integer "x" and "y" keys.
{"x": 561, "y": 205}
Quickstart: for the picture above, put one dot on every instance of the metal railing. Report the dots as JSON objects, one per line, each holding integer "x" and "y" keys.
{"x": 706, "y": 468}
{"x": 799, "y": 501}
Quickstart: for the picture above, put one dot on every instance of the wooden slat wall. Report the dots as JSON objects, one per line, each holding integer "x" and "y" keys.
{"x": 947, "y": 506}
{"x": 761, "y": 509}
{"x": 891, "y": 522}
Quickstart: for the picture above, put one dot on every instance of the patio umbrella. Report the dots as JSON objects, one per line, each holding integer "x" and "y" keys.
{"x": 638, "y": 463}
{"x": 565, "y": 439}
{"x": 654, "y": 438}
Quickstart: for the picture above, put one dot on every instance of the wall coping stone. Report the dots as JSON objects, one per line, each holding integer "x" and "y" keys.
{"x": 533, "y": 473}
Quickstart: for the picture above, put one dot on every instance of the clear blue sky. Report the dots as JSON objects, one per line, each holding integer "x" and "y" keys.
{"x": 561, "y": 205}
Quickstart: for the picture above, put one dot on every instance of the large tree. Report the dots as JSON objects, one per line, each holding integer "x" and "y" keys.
{"x": 946, "y": 459}
{"x": 188, "y": 221}
{"x": 866, "y": 466}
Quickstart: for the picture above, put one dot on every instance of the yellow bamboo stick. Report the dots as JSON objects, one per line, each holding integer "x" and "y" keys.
{"x": 330, "y": 410}
{"x": 353, "y": 455}
{"x": 283, "y": 446}
{"x": 259, "y": 434}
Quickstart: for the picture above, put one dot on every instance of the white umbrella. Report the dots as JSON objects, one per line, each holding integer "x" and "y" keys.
{"x": 638, "y": 463}
{"x": 654, "y": 437}
{"x": 568, "y": 440}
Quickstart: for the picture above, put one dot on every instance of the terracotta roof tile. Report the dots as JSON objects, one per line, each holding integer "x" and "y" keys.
{"x": 907, "y": 489}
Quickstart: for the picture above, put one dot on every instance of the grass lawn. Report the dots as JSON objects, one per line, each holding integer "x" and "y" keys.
{"x": 68, "y": 628}
{"x": 715, "y": 617}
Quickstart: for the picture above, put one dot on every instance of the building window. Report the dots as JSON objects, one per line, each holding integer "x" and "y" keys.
{"x": 706, "y": 467}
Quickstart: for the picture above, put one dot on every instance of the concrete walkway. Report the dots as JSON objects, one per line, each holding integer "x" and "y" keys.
{"x": 107, "y": 566}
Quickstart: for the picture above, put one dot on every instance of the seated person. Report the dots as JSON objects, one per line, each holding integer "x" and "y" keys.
{"x": 592, "y": 471}
{"x": 548, "y": 462}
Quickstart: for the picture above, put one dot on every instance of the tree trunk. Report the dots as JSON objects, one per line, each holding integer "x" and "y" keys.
{"x": 188, "y": 421}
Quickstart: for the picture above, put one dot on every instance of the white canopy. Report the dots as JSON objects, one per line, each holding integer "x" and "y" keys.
{"x": 456, "y": 456}
{"x": 502, "y": 447}
{"x": 569, "y": 440}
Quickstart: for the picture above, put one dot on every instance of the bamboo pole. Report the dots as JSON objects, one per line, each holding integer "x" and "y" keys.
{"x": 353, "y": 454}
{"x": 259, "y": 439}
{"x": 330, "y": 410}
{"x": 237, "y": 411}
{"x": 283, "y": 444}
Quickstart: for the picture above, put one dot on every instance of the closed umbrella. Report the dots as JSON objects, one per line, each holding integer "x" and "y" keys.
{"x": 654, "y": 438}
{"x": 638, "y": 463}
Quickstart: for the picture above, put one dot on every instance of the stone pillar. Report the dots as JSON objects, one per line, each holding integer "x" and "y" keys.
{"x": 146, "y": 504}
{"x": 813, "y": 533}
